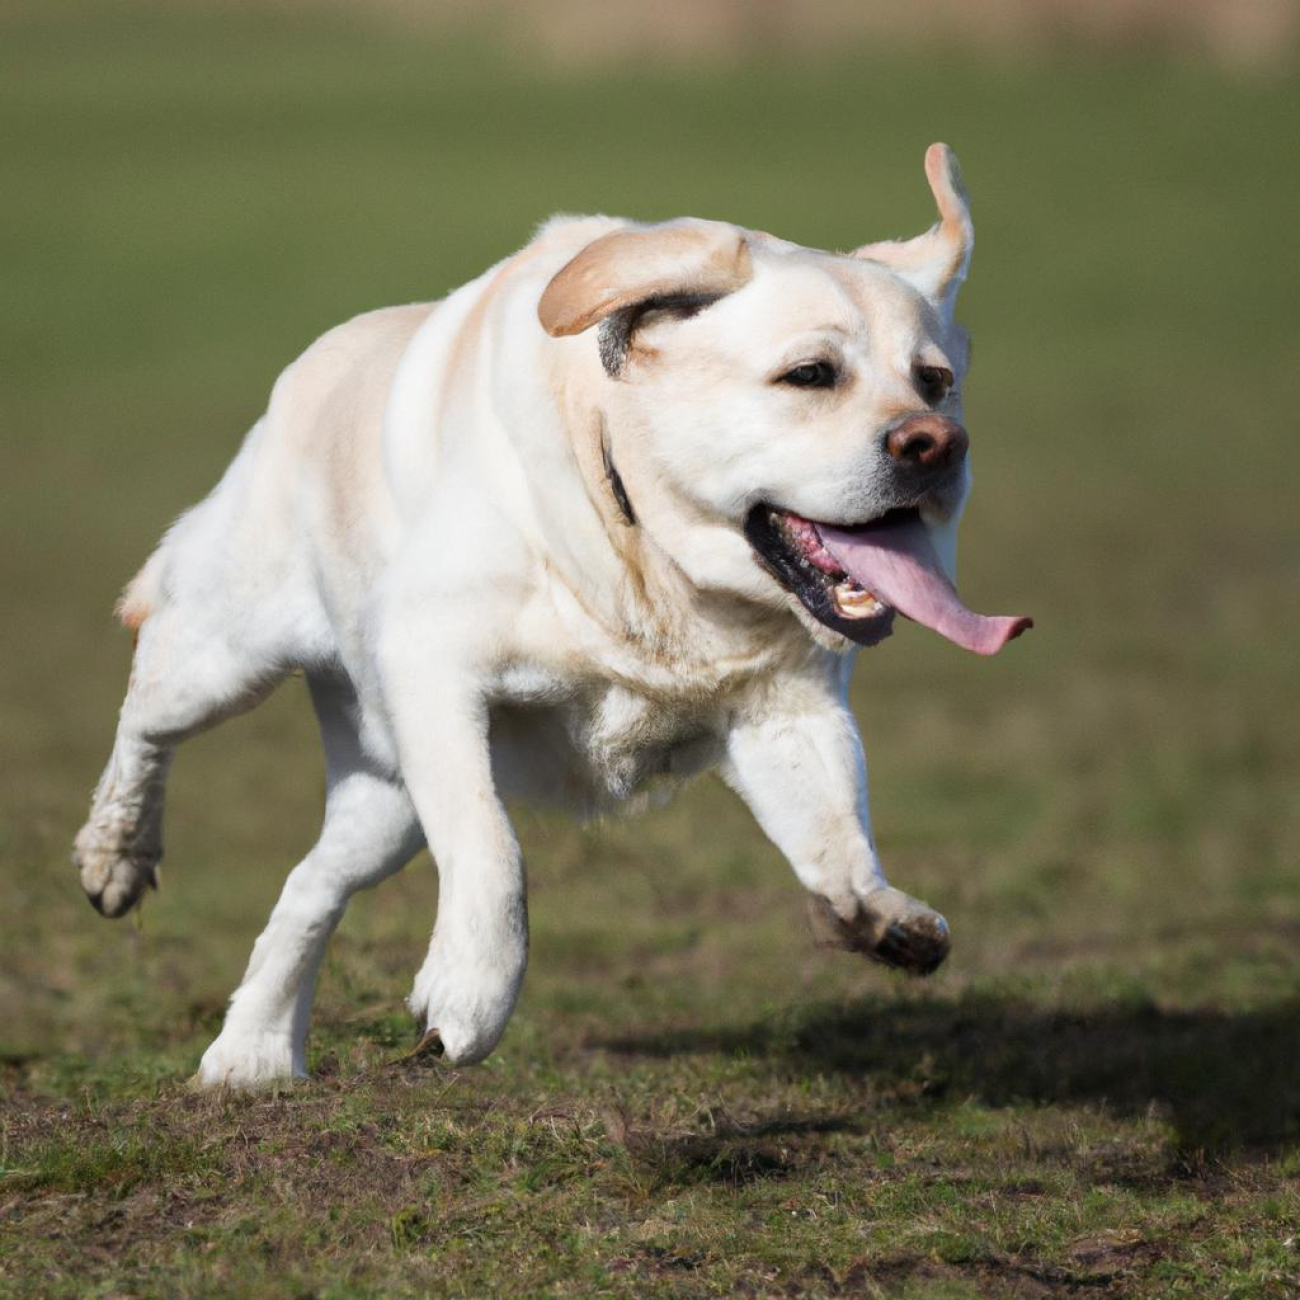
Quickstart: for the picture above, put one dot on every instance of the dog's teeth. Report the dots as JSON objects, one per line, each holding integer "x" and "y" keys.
{"x": 852, "y": 601}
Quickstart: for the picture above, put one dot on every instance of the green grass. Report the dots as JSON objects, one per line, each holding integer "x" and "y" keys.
{"x": 1101, "y": 1092}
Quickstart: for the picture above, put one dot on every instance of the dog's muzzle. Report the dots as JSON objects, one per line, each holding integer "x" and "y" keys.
{"x": 854, "y": 578}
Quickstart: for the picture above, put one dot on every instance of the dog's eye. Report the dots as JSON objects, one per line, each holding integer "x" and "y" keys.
{"x": 812, "y": 374}
{"x": 933, "y": 382}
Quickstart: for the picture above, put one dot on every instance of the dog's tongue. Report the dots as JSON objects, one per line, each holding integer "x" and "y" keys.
{"x": 895, "y": 560}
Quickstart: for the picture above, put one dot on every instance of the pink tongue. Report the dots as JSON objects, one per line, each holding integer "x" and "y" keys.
{"x": 896, "y": 561}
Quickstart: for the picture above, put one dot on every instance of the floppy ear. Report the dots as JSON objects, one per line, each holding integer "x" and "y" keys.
{"x": 675, "y": 261}
{"x": 935, "y": 262}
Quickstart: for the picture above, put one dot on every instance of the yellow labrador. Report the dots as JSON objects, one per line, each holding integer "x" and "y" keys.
{"x": 623, "y": 507}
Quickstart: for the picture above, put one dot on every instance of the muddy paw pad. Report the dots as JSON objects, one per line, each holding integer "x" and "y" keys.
{"x": 890, "y": 927}
{"x": 918, "y": 945}
{"x": 429, "y": 1049}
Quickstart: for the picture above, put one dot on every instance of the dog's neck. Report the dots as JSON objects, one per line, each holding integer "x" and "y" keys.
{"x": 656, "y": 607}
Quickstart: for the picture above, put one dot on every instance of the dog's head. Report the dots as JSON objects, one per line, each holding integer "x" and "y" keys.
{"x": 799, "y": 408}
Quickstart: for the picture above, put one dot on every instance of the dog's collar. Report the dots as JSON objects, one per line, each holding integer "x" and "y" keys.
{"x": 615, "y": 481}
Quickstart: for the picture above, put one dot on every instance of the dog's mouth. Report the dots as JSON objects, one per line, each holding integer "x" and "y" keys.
{"x": 854, "y": 579}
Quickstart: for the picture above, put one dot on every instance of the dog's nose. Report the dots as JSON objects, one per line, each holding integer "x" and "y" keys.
{"x": 928, "y": 440}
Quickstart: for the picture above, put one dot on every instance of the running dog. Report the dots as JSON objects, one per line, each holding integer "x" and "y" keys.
{"x": 620, "y": 509}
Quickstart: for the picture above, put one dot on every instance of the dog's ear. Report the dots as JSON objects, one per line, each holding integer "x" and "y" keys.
{"x": 676, "y": 261}
{"x": 935, "y": 262}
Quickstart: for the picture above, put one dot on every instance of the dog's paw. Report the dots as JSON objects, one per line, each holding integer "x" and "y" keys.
{"x": 244, "y": 1062}
{"x": 459, "y": 1036}
{"x": 889, "y": 926}
{"x": 461, "y": 1021}
{"x": 113, "y": 874}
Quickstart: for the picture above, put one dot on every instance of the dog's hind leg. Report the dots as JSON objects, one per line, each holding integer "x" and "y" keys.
{"x": 189, "y": 672}
{"x": 370, "y": 831}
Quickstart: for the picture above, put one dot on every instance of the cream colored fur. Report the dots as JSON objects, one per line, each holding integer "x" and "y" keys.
{"x": 422, "y": 522}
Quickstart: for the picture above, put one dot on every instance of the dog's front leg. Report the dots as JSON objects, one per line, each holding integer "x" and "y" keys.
{"x": 797, "y": 761}
{"x": 467, "y": 987}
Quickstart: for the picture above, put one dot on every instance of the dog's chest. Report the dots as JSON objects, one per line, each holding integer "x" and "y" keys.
{"x": 628, "y": 739}
{"x": 601, "y": 743}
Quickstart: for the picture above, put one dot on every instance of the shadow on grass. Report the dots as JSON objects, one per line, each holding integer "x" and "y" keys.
{"x": 1223, "y": 1080}
{"x": 737, "y": 1154}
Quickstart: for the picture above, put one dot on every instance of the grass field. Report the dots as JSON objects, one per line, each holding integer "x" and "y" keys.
{"x": 1099, "y": 1095}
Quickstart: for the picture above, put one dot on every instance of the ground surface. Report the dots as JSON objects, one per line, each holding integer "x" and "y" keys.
{"x": 1100, "y": 1095}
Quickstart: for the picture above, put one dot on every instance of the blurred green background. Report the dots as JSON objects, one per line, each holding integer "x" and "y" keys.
{"x": 1107, "y": 813}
